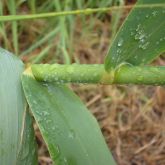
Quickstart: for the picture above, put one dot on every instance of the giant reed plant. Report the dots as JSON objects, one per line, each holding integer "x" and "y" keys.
{"x": 71, "y": 133}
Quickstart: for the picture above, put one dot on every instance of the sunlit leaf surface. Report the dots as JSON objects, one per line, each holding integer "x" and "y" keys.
{"x": 141, "y": 38}
{"x": 71, "y": 133}
{"x": 13, "y": 115}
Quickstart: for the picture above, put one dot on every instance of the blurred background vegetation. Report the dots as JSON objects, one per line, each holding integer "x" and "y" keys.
{"x": 55, "y": 39}
{"x": 130, "y": 117}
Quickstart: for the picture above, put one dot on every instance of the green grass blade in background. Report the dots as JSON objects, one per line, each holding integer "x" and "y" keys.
{"x": 13, "y": 11}
{"x": 116, "y": 16}
{"x": 141, "y": 38}
{"x": 39, "y": 42}
{"x": 69, "y": 130}
{"x": 13, "y": 113}
{"x": 32, "y": 5}
{"x": 2, "y": 26}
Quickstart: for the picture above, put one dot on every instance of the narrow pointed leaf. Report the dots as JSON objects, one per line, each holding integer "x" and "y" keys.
{"x": 13, "y": 115}
{"x": 141, "y": 38}
{"x": 69, "y": 130}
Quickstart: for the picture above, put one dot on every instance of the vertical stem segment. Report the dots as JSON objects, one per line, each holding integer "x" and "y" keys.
{"x": 96, "y": 74}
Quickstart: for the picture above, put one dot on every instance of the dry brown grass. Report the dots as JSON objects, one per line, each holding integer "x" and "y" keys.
{"x": 132, "y": 121}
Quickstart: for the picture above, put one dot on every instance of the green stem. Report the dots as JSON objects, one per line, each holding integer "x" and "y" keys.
{"x": 74, "y": 12}
{"x": 96, "y": 74}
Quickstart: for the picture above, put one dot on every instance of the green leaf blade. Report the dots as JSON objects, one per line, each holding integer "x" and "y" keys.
{"x": 28, "y": 147}
{"x": 141, "y": 38}
{"x": 70, "y": 131}
{"x": 13, "y": 111}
